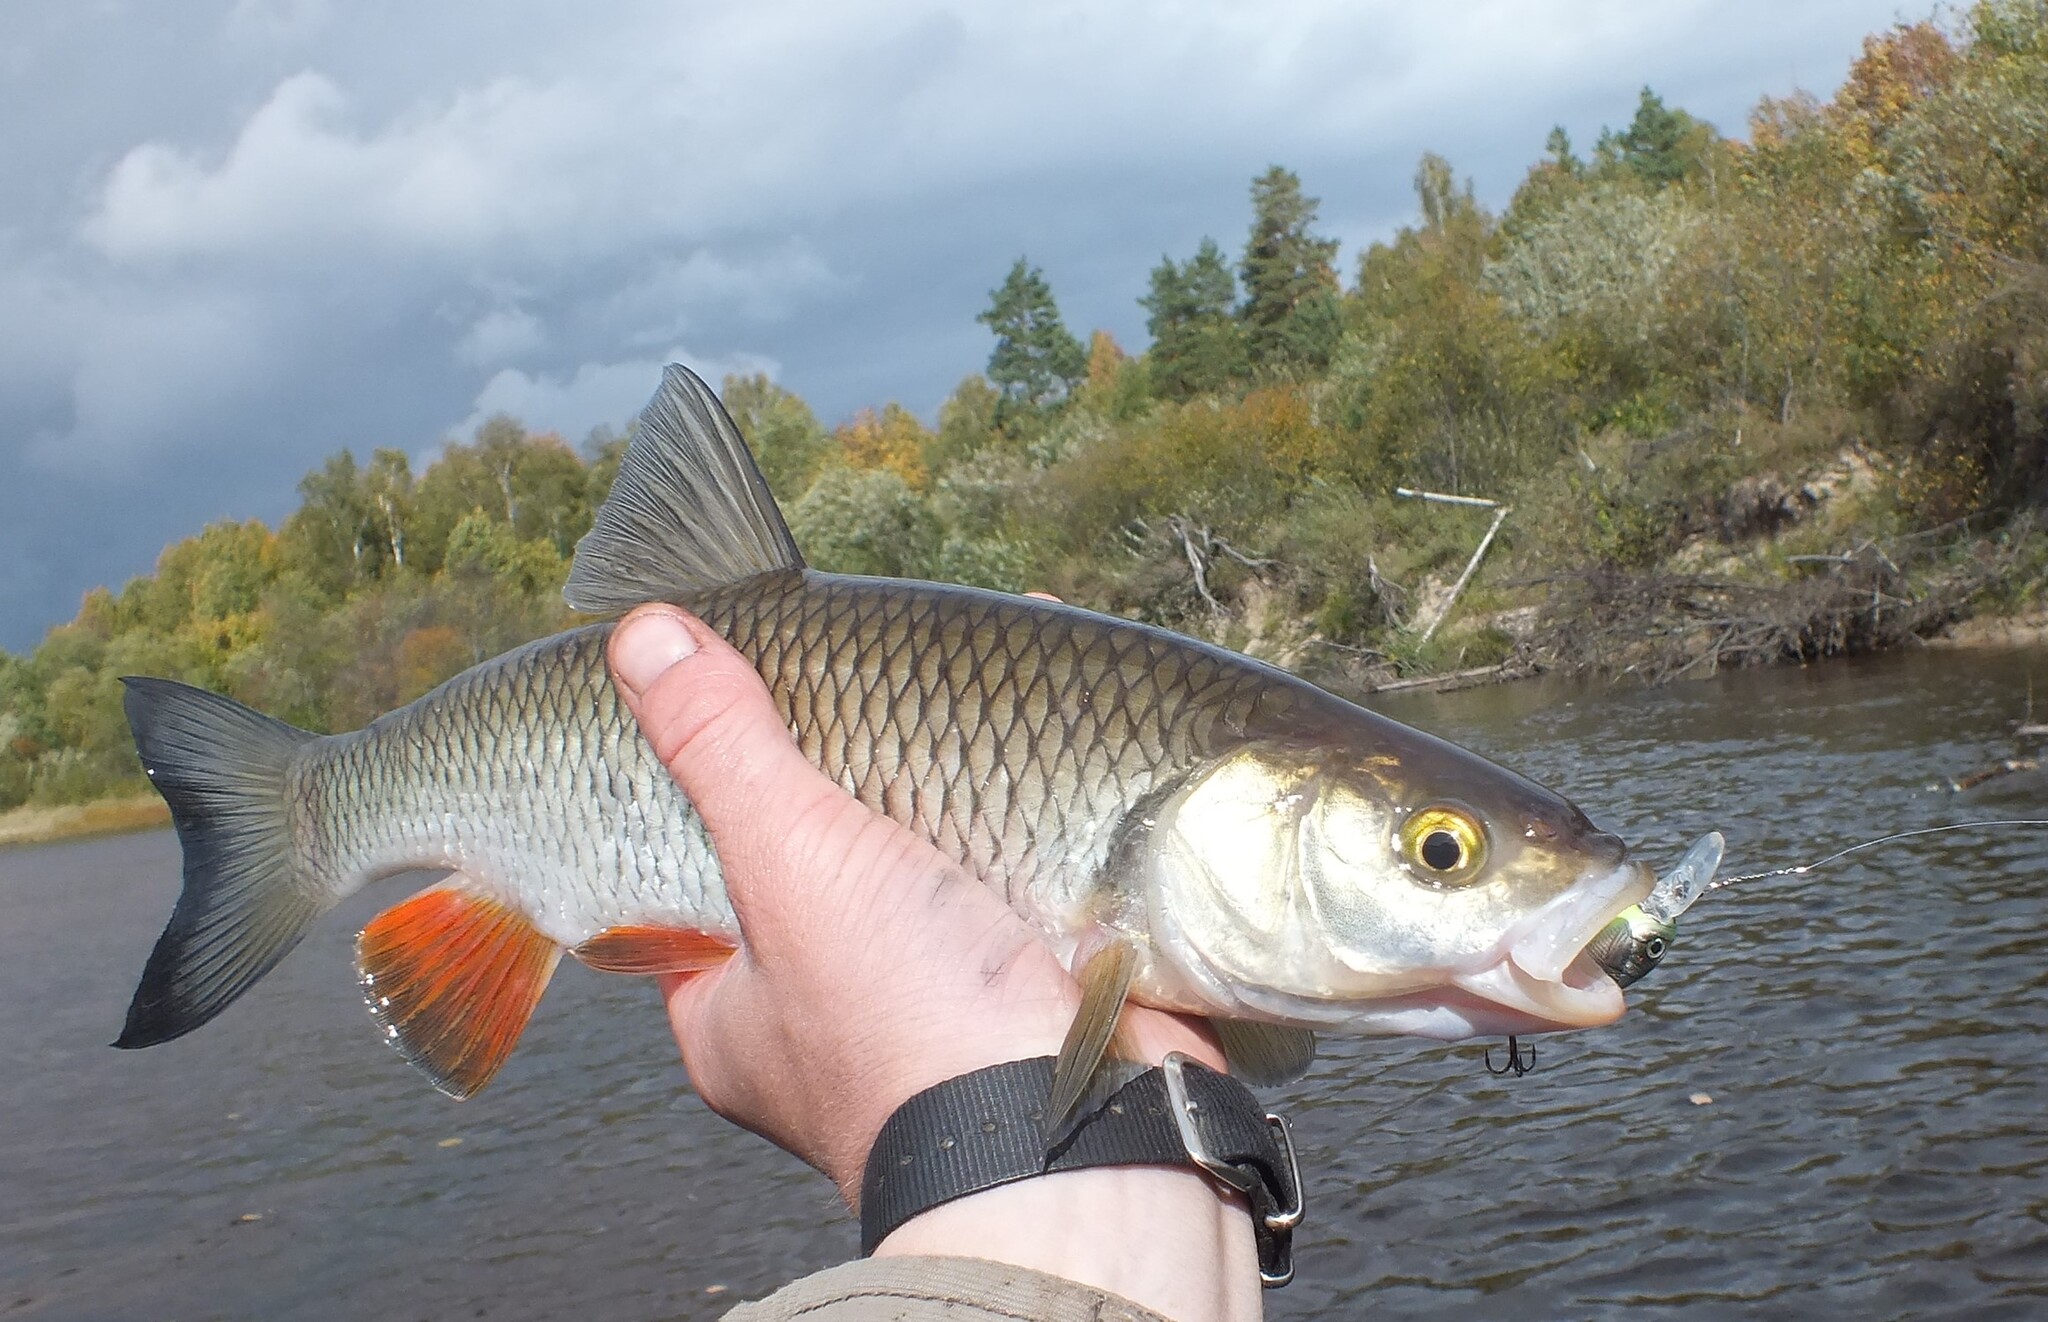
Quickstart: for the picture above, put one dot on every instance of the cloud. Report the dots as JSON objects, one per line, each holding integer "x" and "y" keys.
{"x": 594, "y": 394}
{"x": 498, "y": 335}
{"x": 243, "y": 233}
{"x": 485, "y": 167}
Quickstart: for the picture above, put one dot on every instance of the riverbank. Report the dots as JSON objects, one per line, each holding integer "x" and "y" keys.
{"x": 36, "y": 824}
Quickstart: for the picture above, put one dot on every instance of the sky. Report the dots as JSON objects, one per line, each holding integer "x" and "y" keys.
{"x": 239, "y": 235}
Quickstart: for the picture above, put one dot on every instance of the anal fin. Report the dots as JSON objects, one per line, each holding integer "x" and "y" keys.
{"x": 649, "y": 949}
{"x": 453, "y": 975}
{"x": 1085, "y": 1054}
{"x": 1265, "y": 1054}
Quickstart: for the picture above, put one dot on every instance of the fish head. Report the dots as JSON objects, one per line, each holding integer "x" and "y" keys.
{"x": 1419, "y": 890}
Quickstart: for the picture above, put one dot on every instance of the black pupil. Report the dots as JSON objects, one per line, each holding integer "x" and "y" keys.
{"x": 1440, "y": 850}
{"x": 1654, "y": 947}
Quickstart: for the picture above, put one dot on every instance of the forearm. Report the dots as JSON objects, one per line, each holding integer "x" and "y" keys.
{"x": 1170, "y": 1240}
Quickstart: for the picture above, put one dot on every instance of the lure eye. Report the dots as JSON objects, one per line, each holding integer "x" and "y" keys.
{"x": 1445, "y": 846}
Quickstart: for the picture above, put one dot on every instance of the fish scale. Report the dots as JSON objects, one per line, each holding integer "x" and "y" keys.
{"x": 990, "y": 744}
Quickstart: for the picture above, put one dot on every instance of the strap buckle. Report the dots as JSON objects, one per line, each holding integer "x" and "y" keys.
{"x": 1276, "y": 1205}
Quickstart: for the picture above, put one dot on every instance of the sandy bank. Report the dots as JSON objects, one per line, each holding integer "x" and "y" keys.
{"x": 1996, "y": 631}
{"x": 32, "y": 824}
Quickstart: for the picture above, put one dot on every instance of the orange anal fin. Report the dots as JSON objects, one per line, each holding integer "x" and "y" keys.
{"x": 653, "y": 950}
{"x": 453, "y": 976}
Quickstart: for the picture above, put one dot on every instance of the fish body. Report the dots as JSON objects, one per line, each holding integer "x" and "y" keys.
{"x": 1249, "y": 846}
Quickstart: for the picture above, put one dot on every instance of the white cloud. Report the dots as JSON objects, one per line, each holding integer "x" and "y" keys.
{"x": 246, "y": 233}
{"x": 681, "y": 122}
{"x": 595, "y": 393}
{"x": 486, "y": 167}
{"x": 499, "y": 335}
{"x": 673, "y": 296}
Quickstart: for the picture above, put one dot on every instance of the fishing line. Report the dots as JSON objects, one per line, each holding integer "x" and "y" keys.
{"x": 1805, "y": 868}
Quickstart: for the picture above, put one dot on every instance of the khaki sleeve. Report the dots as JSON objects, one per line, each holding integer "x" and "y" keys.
{"x": 938, "y": 1290}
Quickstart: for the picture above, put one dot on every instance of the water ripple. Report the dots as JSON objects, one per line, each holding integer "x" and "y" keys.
{"x": 1868, "y": 1036}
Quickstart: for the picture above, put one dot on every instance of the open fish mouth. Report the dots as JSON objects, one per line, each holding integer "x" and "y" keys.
{"x": 1540, "y": 978}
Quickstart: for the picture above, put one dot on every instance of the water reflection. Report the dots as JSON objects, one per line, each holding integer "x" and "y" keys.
{"x": 1868, "y": 1035}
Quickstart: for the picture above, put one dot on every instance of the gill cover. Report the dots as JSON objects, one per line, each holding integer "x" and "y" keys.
{"x": 1274, "y": 873}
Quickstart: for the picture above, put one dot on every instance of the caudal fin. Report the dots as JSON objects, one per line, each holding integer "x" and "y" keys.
{"x": 221, "y": 768}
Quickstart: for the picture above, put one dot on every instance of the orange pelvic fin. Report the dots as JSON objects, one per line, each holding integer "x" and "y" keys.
{"x": 653, "y": 950}
{"x": 453, "y": 976}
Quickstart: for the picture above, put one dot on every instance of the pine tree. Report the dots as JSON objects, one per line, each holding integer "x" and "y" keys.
{"x": 1036, "y": 360}
{"x": 1660, "y": 144}
{"x": 1197, "y": 345}
{"x": 1290, "y": 311}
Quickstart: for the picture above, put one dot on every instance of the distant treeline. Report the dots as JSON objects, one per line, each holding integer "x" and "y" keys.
{"x": 1649, "y": 354}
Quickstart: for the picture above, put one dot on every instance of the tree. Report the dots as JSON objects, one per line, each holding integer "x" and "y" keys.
{"x": 1036, "y": 360}
{"x": 387, "y": 484}
{"x": 1197, "y": 344}
{"x": 893, "y": 440}
{"x": 865, "y": 521}
{"x": 1290, "y": 280}
{"x": 331, "y": 538}
{"x": 785, "y": 436}
{"x": 967, "y": 422}
{"x": 1660, "y": 145}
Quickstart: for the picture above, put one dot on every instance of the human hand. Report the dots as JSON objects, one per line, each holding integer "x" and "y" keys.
{"x": 871, "y": 965}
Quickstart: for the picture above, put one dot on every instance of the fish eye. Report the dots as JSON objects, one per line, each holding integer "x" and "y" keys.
{"x": 1654, "y": 948}
{"x": 1444, "y": 845}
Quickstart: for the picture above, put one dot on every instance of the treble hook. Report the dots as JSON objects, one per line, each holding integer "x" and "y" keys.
{"x": 1516, "y": 1064}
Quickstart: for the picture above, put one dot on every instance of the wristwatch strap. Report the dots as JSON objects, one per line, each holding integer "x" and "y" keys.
{"x": 983, "y": 1129}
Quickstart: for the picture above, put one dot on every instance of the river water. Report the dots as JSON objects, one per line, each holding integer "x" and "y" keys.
{"x": 1870, "y": 1035}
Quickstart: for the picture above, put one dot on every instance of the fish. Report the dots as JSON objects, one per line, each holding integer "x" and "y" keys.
{"x": 1185, "y": 827}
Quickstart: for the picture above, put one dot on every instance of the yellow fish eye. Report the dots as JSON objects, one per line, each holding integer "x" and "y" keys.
{"x": 1443, "y": 845}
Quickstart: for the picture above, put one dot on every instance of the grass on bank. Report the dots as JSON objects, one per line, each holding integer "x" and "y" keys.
{"x": 34, "y": 824}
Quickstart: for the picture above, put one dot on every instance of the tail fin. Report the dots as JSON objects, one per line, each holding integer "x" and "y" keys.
{"x": 221, "y": 768}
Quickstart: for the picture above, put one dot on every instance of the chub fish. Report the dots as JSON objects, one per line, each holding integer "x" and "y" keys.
{"x": 1184, "y": 826}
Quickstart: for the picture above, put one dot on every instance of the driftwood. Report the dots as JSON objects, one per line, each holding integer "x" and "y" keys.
{"x": 1202, "y": 546}
{"x": 1500, "y": 515}
{"x": 1450, "y": 679}
{"x": 2005, "y": 768}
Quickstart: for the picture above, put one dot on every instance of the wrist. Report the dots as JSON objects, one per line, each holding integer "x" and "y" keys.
{"x": 1199, "y": 1261}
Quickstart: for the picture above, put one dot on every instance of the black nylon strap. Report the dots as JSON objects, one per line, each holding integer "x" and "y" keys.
{"x": 982, "y": 1130}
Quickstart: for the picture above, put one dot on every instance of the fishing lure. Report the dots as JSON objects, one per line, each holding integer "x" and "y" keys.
{"x": 1640, "y": 936}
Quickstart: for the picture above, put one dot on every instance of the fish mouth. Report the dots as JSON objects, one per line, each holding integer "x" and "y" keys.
{"x": 1541, "y": 979}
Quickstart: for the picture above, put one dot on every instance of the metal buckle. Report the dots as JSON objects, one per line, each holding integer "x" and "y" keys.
{"x": 1290, "y": 1218}
{"x": 1280, "y": 1223}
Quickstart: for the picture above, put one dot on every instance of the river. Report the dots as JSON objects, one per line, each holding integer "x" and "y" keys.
{"x": 1871, "y": 1037}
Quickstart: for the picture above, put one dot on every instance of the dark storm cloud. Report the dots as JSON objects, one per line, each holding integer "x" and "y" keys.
{"x": 239, "y": 236}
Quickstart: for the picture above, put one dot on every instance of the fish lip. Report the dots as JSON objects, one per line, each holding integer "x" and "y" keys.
{"x": 1583, "y": 996}
{"x": 1540, "y": 969}
{"x": 1545, "y": 943}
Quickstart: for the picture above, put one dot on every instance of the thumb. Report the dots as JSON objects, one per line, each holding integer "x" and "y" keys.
{"x": 713, "y": 724}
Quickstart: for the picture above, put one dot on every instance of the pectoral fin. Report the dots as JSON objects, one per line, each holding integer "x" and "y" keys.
{"x": 453, "y": 976}
{"x": 1085, "y": 1065}
{"x": 653, "y": 950}
{"x": 1265, "y": 1054}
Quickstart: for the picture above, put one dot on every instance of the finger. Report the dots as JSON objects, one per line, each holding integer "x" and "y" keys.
{"x": 714, "y": 725}
{"x": 687, "y": 996}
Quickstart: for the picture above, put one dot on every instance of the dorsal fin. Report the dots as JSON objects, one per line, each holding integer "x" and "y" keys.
{"x": 689, "y": 509}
